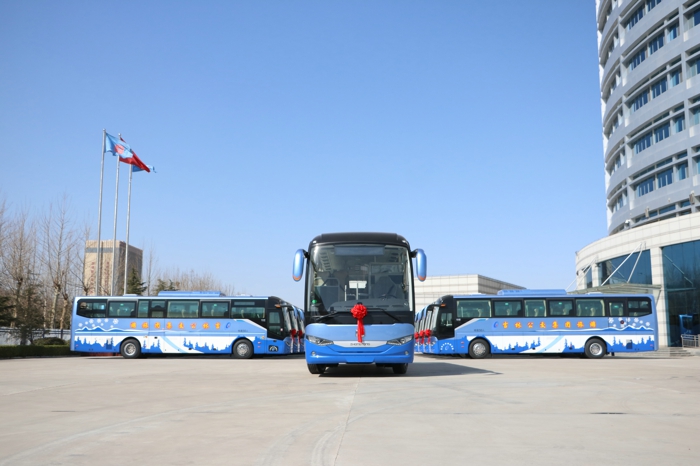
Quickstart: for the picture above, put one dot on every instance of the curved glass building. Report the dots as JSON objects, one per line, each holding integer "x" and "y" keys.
{"x": 649, "y": 59}
{"x": 649, "y": 56}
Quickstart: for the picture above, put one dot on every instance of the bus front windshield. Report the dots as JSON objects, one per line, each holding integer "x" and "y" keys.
{"x": 341, "y": 275}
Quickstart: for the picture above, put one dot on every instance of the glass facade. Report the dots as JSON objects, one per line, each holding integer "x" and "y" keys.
{"x": 681, "y": 263}
{"x": 641, "y": 274}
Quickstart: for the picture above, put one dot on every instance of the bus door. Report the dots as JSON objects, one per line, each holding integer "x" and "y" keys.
{"x": 275, "y": 330}
{"x": 156, "y": 327}
{"x": 294, "y": 329}
{"x": 445, "y": 322}
{"x": 182, "y": 318}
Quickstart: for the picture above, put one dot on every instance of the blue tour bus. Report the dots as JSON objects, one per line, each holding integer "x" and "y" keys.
{"x": 185, "y": 322}
{"x": 538, "y": 321}
{"x": 359, "y": 300}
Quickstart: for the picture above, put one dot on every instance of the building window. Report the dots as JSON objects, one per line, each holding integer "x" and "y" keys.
{"x": 682, "y": 283}
{"x": 658, "y": 88}
{"x": 656, "y": 43}
{"x": 662, "y": 132}
{"x": 695, "y": 116}
{"x": 636, "y": 16}
{"x": 682, "y": 171}
{"x": 666, "y": 210}
{"x": 645, "y": 187}
{"x": 640, "y": 101}
{"x": 637, "y": 59}
{"x": 620, "y": 202}
{"x": 642, "y": 143}
{"x": 652, "y": 3}
{"x": 665, "y": 178}
{"x": 640, "y": 274}
{"x": 675, "y": 78}
{"x": 678, "y": 124}
{"x": 673, "y": 32}
{"x": 694, "y": 18}
{"x": 693, "y": 67}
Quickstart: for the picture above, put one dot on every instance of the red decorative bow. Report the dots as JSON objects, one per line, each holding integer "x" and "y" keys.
{"x": 421, "y": 334}
{"x": 359, "y": 312}
{"x": 293, "y": 332}
{"x": 427, "y": 335}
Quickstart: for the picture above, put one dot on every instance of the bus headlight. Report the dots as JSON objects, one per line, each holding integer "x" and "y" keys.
{"x": 400, "y": 341}
{"x": 318, "y": 341}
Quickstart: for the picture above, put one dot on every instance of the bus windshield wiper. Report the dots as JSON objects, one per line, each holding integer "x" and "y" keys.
{"x": 325, "y": 316}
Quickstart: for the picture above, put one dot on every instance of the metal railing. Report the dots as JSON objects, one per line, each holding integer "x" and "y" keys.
{"x": 690, "y": 341}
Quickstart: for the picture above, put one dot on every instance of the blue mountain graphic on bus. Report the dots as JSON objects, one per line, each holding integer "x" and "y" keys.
{"x": 206, "y": 348}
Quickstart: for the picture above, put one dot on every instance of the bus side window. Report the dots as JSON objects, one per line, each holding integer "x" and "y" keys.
{"x": 560, "y": 308}
{"x": 143, "y": 309}
{"x": 446, "y": 319}
{"x": 122, "y": 309}
{"x": 638, "y": 308}
{"x": 507, "y": 309}
{"x": 157, "y": 309}
{"x": 590, "y": 308}
{"x": 616, "y": 308}
{"x": 92, "y": 309}
{"x": 215, "y": 309}
{"x": 534, "y": 308}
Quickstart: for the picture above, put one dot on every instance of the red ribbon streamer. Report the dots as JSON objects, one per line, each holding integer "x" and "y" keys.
{"x": 359, "y": 312}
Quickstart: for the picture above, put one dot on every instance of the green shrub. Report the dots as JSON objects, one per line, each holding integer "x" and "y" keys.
{"x": 50, "y": 341}
{"x": 31, "y": 350}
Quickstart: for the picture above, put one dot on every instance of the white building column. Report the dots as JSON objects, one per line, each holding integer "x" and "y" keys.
{"x": 657, "y": 278}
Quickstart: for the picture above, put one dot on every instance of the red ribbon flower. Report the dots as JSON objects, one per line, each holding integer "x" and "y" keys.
{"x": 359, "y": 312}
{"x": 427, "y": 335}
{"x": 293, "y": 333}
{"x": 421, "y": 334}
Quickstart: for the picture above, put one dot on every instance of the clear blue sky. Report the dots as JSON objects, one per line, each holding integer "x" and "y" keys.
{"x": 471, "y": 128}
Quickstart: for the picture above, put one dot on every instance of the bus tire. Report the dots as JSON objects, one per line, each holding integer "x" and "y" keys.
{"x": 130, "y": 349}
{"x": 479, "y": 349}
{"x": 316, "y": 368}
{"x": 595, "y": 348}
{"x": 242, "y": 349}
{"x": 399, "y": 368}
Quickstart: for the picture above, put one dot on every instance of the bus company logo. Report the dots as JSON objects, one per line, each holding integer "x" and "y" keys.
{"x": 272, "y": 349}
{"x": 357, "y": 343}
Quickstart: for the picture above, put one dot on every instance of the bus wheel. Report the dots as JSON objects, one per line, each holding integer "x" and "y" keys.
{"x": 130, "y": 349}
{"x": 595, "y": 348}
{"x": 316, "y": 368}
{"x": 242, "y": 349}
{"x": 399, "y": 368}
{"x": 479, "y": 349}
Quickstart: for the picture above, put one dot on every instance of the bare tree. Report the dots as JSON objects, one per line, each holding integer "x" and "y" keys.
{"x": 57, "y": 244}
{"x": 194, "y": 281}
{"x": 19, "y": 274}
{"x": 82, "y": 280}
{"x": 151, "y": 269}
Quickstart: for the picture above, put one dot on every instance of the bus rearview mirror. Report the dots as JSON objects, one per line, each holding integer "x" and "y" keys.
{"x": 421, "y": 264}
{"x": 298, "y": 268}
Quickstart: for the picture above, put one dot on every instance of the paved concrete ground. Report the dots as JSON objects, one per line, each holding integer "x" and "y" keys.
{"x": 512, "y": 410}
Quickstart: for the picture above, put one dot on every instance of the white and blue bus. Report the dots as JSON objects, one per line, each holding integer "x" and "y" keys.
{"x": 359, "y": 300}
{"x": 185, "y": 322}
{"x": 536, "y": 322}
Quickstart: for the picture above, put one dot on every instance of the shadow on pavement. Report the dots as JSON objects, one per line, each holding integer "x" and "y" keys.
{"x": 423, "y": 369}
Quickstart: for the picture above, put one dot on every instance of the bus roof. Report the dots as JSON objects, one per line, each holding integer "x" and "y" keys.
{"x": 198, "y": 294}
{"x": 547, "y": 292}
{"x": 360, "y": 237}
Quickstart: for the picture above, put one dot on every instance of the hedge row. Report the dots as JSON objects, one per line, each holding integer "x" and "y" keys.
{"x": 31, "y": 350}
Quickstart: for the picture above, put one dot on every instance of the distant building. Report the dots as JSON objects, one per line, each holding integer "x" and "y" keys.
{"x": 436, "y": 286}
{"x": 89, "y": 273}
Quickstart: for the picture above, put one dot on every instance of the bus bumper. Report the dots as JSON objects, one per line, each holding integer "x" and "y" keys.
{"x": 334, "y": 354}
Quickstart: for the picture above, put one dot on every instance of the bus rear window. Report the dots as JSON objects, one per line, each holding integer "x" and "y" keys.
{"x": 92, "y": 308}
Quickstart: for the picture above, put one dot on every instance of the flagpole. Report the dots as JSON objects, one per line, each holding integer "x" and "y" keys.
{"x": 128, "y": 214}
{"x": 99, "y": 221}
{"x": 114, "y": 241}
